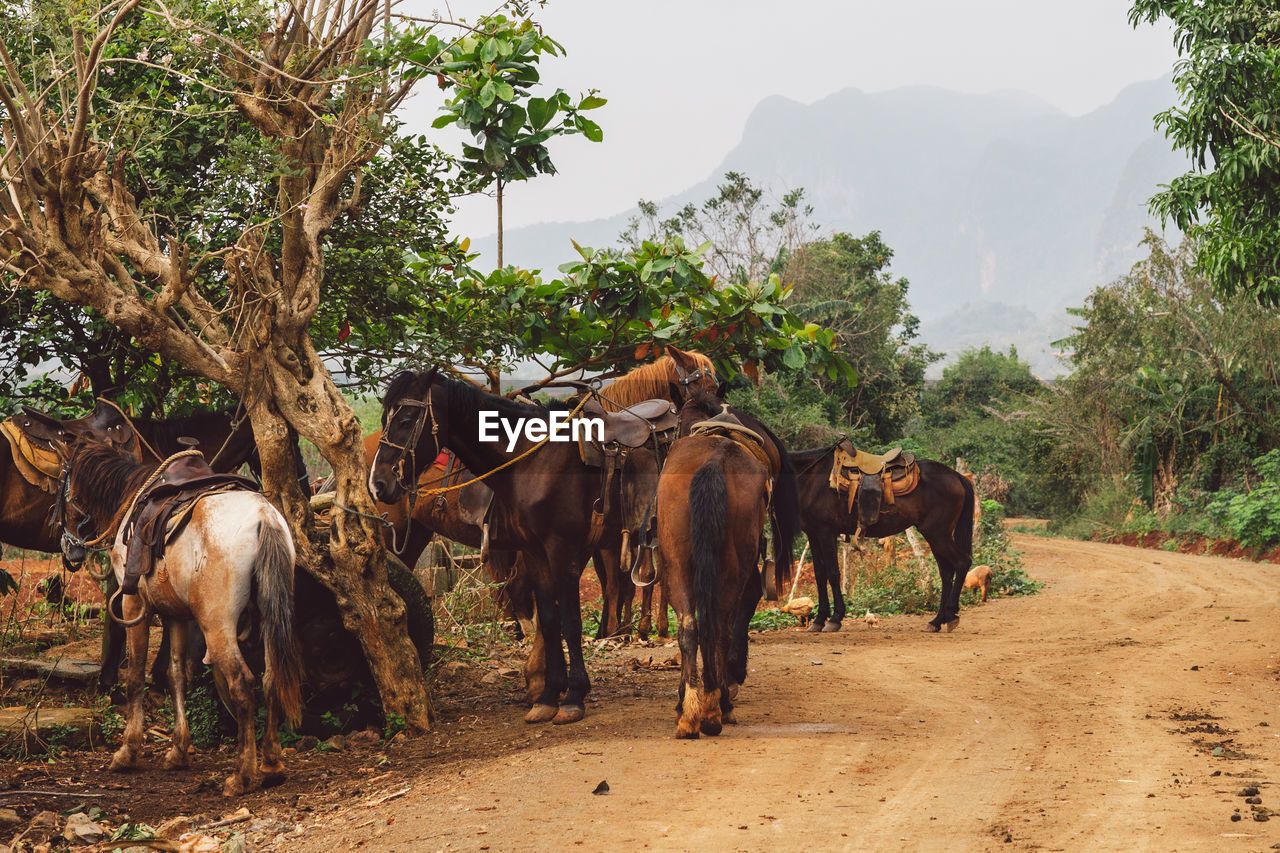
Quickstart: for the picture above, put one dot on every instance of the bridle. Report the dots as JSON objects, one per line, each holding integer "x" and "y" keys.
{"x": 409, "y": 450}
{"x": 687, "y": 378}
{"x": 86, "y": 542}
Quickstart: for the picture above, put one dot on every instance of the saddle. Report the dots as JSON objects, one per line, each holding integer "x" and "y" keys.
{"x": 727, "y": 426}
{"x": 161, "y": 511}
{"x": 891, "y": 474}
{"x": 39, "y": 466}
{"x": 624, "y": 431}
{"x": 630, "y": 428}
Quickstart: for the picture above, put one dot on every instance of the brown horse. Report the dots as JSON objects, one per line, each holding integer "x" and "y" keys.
{"x": 940, "y": 507}
{"x": 235, "y": 547}
{"x": 713, "y": 497}
{"x": 543, "y": 507}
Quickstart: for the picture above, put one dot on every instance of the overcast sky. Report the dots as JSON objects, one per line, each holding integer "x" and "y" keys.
{"x": 682, "y": 76}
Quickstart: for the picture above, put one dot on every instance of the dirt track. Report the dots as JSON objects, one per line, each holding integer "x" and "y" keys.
{"x": 1043, "y": 722}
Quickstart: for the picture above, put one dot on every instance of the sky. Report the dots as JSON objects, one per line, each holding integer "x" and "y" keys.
{"x": 682, "y": 77}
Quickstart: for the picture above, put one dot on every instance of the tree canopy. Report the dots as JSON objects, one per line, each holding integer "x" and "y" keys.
{"x": 1229, "y": 123}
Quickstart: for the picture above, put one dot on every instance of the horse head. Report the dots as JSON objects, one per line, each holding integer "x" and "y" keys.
{"x": 411, "y": 419}
{"x": 693, "y": 372}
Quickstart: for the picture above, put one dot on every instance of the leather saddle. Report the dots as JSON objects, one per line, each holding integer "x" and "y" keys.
{"x": 632, "y": 427}
{"x": 38, "y": 465}
{"x": 727, "y": 426}
{"x": 872, "y": 480}
{"x": 163, "y": 509}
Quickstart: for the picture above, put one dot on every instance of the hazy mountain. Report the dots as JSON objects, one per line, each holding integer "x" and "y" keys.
{"x": 999, "y": 207}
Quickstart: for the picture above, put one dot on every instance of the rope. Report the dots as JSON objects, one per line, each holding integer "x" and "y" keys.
{"x": 110, "y": 531}
{"x": 443, "y": 489}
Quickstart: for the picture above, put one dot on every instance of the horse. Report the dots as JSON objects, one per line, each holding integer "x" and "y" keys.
{"x": 235, "y": 546}
{"x": 940, "y": 507}
{"x": 543, "y": 507}
{"x": 713, "y": 497}
{"x": 784, "y": 510}
{"x": 456, "y": 515}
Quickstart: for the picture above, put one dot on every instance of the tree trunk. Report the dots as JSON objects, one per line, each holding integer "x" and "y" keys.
{"x": 499, "y": 223}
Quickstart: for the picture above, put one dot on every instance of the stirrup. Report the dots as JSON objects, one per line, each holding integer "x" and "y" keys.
{"x": 112, "y": 609}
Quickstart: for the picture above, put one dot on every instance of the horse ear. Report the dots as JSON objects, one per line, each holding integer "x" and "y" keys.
{"x": 679, "y": 356}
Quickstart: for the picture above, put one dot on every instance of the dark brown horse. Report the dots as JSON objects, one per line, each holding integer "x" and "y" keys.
{"x": 542, "y": 508}
{"x": 940, "y": 507}
{"x": 713, "y": 497}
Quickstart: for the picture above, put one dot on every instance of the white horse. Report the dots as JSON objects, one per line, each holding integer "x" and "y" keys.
{"x": 235, "y": 546}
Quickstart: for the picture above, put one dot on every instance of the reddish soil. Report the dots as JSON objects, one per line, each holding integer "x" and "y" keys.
{"x": 1124, "y": 707}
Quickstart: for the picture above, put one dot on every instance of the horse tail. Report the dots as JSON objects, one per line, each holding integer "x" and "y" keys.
{"x": 273, "y": 573}
{"x": 708, "y": 510}
{"x": 963, "y": 534}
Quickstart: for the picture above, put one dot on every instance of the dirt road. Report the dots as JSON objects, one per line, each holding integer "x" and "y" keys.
{"x": 1084, "y": 718}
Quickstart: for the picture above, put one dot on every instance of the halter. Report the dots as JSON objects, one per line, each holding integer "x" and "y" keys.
{"x": 410, "y": 450}
{"x": 78, "y": 539}
{"x": 684, "y": 377}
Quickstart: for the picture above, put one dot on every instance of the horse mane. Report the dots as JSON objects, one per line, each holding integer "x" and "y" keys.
{"x": 104, "y": 478}
{"x": 647, "y": 382}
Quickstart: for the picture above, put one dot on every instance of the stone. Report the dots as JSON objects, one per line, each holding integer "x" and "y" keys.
{"x": 65, "y": 670}
{"x": 9, "y": 817}
{"x": 43, "y": 827}
{"x": 337, "y": 743}
{"x": 306, "y": 743}
{"x": 81, "y": 830}
{"x": 364, "y": 739}
{"x": 174, "y": 828}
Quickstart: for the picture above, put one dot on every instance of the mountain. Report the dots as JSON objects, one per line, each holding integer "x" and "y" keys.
{"x": 997, "y": 206}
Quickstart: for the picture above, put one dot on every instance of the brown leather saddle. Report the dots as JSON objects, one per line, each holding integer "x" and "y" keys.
{"x": 872, "y": 481}
{"x": 650, "y": 424}
{"x": 727, "y": 426}
{"x": 161, "y": 511}
{"x": 39, "y": 465}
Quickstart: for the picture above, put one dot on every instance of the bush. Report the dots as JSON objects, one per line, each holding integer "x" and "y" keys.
{"x": 1253, "y": 516}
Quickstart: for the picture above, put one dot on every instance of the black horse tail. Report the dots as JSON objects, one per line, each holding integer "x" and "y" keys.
{"x": 708, "y": 511}
{"x": 963, "y": 533}
{"x": 273, "y": 573}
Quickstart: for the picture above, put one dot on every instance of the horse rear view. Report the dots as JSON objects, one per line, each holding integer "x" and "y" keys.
{"x": 713, "y": 498}
{"x": 208, "y": 563}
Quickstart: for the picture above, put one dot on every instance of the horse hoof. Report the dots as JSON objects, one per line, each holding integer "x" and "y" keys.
{"x": 710, "y": 728}
{"x": 683, "y": 733}
{"x": 951, "y": 626}
{"x": 815, "y": 627}
{"x": 174, "y": 759}
{"x": 730, "y": 718}
{"x": 932, "y": 628}
{"x": 234, "y": 786}
{"x": 272, "y": 775}
{"x": 733, "y": 691}
{"x": 831, "y": 627}
{"x": 122, "y": 760}
{"x": 541, "y": 713}
{"x": 569, "y": 714}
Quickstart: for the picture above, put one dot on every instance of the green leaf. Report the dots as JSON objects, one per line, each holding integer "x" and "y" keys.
{"x": 540, "y": 112}
{"x": 487, "y": 93}
{"x": 591, "y": 102}
{"x": 444, "y": 120}
{"x": 590, "y": 129}
{"x": 505, "y": 92}
{"x": 494, "y": 155}
{"x": 793, "y": 357}
{"x": 489, "y": 52}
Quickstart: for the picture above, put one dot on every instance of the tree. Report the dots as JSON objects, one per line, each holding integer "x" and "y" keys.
{"x": 844, "y": 284}
{"x": 979, "y": 380}
{"x": 1229, "y": 123}
{"x": 230, "y": 295}
{"x": 748, "y": 236}
{"x": 492, "y": 72}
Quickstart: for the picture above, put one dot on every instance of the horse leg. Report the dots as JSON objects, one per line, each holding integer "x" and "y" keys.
{"x": 645, "y": 625}
{"x": 689, "y": 705}
{"x": 546, "y": 704}
{"x": 573, "y": 707}
{"x": 736, "y": 657}
{"x": 837, "y": 595}
{"x": 113, "y": 642}
{"x": 137, "y": 638}
{"x": 179, "y": 754}
{"x": 825, "y": 568}
{"x": 224, "y": 650}
{"x": 607, "y": 577}
{"x": 160, "y": 680}
{"x": 953, "y": 565}
{"x": 664, "y": 599}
